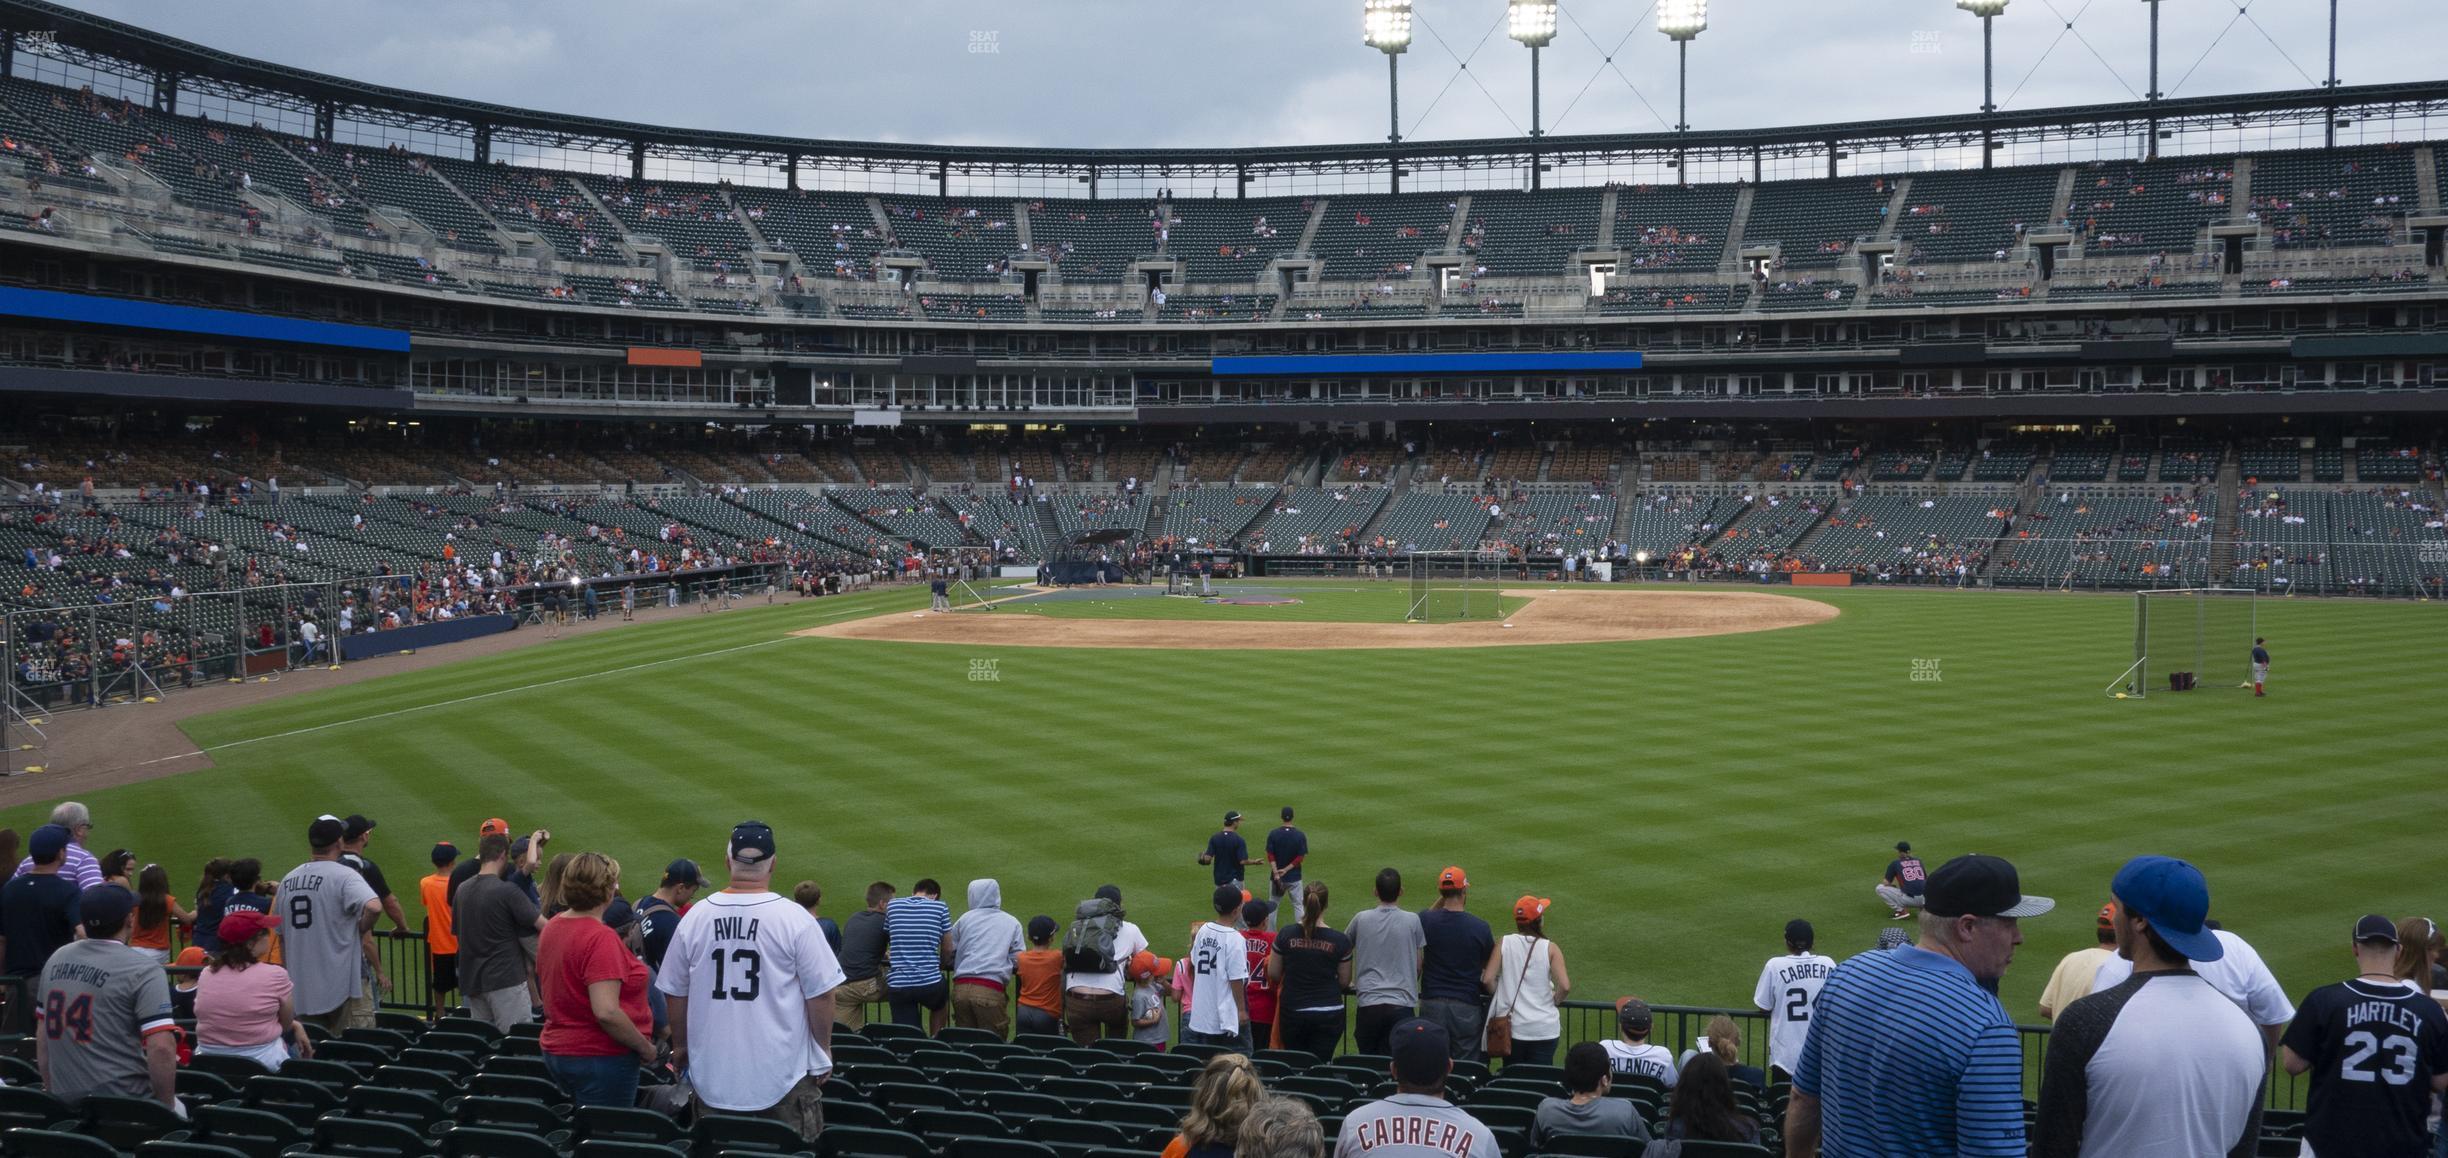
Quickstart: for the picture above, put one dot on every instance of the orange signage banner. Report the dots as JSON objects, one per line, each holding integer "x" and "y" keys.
{"x": 1823, "y": 579}
{"x": 657, "y": 356}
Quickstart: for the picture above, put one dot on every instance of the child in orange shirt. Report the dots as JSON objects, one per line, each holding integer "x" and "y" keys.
{"x": 1039, "y": 970}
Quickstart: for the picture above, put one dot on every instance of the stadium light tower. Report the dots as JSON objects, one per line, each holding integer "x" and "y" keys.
{"x": 1533, "y": 22}
{"x": 1385, "y": 25}
{"x": 1681, "y": 21}
{"x": 1987, "y": 10}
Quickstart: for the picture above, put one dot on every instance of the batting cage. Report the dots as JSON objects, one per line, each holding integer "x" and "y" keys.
{"x": 1447, "y": 586}
{"x": 2189, "y": 637}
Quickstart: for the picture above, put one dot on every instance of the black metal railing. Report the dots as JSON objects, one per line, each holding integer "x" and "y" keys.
{"x": 1675, "y": 1027}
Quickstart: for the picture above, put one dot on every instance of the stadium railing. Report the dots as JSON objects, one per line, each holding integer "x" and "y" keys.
{"x": 1676, "y": 1027}
{"x": 215, "y": 636}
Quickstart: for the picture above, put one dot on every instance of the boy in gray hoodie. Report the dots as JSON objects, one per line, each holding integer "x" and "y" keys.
{"x": 985, "y": 944}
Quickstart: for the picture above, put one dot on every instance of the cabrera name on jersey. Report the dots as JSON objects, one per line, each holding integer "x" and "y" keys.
{"x": 1414, "y": 1126}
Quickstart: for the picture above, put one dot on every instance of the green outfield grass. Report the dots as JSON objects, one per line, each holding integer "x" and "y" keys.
{"x": 1679, "y": 799}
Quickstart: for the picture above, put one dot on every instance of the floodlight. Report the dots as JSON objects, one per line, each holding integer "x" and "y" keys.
{"x": 1982, "y": 8}
{"x": 1533, "y": 22}
{"x": 1385, "y": 25}
{"x": 1682, "y": 19}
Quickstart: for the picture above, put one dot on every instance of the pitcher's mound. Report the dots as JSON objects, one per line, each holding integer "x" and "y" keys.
{"x": 1569, "y": 615}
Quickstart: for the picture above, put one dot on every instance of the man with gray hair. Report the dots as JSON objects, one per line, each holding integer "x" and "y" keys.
{"x": 748, "y": 985}
{"x": 81, "y": 865}
{"x": 1909, "y": 1051}
{"x": 1280, "y": 1127}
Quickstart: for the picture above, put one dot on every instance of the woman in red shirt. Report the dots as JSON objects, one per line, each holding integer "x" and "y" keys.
{"x": 594, "y": 988}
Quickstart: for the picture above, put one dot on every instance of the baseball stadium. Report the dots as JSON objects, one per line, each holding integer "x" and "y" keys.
{"x": 1737, "y": 544}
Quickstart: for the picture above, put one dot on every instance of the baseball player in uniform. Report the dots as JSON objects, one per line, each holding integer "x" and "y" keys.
{"x": 748, "y": 987}
{"x": 1787, "y": 988}
{"x": 2260, "y": 661}
{"x": 102, "y": 1011}
{"x": 1417, "y": 1121}
{"x": 1904, "y": 882}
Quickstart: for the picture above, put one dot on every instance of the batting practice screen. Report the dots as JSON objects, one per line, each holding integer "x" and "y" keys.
{"x": 2207, "y": 631}
{"x": 1449, "y": 586}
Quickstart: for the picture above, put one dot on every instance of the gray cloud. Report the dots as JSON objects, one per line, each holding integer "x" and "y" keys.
{"x": 1259, "y": 72}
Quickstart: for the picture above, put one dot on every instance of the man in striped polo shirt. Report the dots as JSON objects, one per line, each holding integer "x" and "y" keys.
{"x": 1909, "y": 1050}
{"x": 918, "y": 943}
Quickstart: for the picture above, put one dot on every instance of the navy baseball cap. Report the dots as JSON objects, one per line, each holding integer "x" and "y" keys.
{"x": 1980, "y": 886}
{"x": 1422, "y": 1051}
{"x": 1228, "y": 899}
{"x": 2376, "y": 928}
{"x": 1232, "y": 816}
{"x": 355, "y": 825}
{"x": 47, "y": 843}
{"x": 103, "y": 909}
{"x": 682, "y": 872}
{"x": 324, "y": 832}
{"x": 2173, "y": 897}
{"x": 1799, "y": 932}
{"x": 752, "y": 842}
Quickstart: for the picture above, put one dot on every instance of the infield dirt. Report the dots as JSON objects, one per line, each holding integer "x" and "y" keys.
{"x": 1558, "y": 615}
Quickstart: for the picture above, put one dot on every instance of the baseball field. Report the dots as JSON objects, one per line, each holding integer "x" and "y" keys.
{"x": 1679, "y": 795}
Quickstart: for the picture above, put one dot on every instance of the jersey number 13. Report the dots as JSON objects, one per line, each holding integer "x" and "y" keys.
{"x": 751, "y": 966}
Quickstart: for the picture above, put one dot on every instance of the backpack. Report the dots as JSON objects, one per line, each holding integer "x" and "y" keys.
{"x": 1088, "y": 947}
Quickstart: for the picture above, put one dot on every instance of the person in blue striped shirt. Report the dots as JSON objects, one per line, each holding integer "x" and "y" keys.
{"x": 917, "y": 946}
{"x": 1909, "y": 1050}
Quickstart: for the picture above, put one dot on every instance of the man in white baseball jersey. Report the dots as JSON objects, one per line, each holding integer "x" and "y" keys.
{"x": 1219, "y": 974}
{"x": 1788, "y": 986}
{"x": 2238, "y": 973}
{"x": 327, "y": 913}
{"x": 1417, "y": 1122}
{"x": 1633, "y": 1053}
{"x": 748, "y": 981}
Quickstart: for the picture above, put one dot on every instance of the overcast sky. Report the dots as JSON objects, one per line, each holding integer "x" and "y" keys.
{"x": 1259, "y": 72}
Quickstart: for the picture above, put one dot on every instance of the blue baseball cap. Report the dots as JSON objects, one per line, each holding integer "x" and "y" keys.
{"x": 48, "y": 842}
{"x": 2173, "y": 897}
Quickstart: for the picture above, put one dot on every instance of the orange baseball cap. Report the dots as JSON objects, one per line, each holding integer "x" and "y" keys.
{"x": 1452, "y": 878}
{"x": 497, "y": 824}
{"x": 191, "y": 955}
{"x": 2107, "y": 917}
{"x": 1529, "y": 909}
{"x": 1144, "y": 964}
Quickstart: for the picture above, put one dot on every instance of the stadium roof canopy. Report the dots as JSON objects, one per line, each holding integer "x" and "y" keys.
{"x": 173, "y": 68}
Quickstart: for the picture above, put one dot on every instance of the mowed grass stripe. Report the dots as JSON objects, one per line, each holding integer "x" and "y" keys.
{"x": 1679, "y": 799}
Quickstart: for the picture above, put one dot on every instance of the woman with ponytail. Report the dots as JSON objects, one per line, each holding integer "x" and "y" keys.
{"x": 1311, "y": 970}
